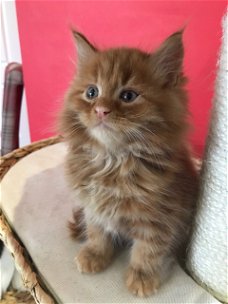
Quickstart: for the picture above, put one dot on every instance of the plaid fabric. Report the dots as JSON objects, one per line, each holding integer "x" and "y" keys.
{"x": 12, "y": 98}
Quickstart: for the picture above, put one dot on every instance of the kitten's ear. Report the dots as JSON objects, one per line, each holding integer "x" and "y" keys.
{"x": 84, "y": 48}
{"x": 167, "y": 60}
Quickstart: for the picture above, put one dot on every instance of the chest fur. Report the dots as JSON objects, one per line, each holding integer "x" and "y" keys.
{"x": 112, "y": 189}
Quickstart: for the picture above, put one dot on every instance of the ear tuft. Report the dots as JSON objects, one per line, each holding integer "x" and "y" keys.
{"x": 85, "y": 49}
{"x": 168, "y": 59}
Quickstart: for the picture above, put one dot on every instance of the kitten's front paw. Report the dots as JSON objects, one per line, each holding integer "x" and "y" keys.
{"x": 140, "y": 283}
{"x": 90, "y": 261}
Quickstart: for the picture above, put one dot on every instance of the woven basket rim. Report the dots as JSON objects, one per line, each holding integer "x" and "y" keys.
{"x": 22, "y": 259}
{"x": 11, "y": 158}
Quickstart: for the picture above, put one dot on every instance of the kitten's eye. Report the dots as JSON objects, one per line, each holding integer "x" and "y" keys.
{"x": 92, "y": 92}
{"x": 128, "y": 95}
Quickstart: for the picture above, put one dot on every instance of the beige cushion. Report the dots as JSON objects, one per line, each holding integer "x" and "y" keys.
{"x": 36, "y": 201}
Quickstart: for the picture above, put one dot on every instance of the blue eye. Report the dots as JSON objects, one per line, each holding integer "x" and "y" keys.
{"x": 92, "y": 92}
{"x": 128, "y": 95}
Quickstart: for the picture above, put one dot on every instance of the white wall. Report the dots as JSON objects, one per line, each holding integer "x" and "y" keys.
{"x": 10, "y": 51}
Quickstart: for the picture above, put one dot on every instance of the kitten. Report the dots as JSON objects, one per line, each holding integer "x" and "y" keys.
{"x": 125, "y": 121}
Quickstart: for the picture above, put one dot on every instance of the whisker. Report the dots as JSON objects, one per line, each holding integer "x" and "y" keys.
{"x": 138, "y": 138}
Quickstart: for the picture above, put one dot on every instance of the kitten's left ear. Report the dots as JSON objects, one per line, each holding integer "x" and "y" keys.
{"x": 85, "y": 49}
{"x": 167, "y": 60}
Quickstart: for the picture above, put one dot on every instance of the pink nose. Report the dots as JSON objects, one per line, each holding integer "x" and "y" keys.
{"x": 102, "y": 111}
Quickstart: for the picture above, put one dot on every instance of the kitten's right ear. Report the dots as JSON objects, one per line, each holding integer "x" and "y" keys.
{"x": 84, "y": 48}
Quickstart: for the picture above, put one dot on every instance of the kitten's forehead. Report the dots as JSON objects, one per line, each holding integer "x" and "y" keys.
{"x": 119, "y": 67}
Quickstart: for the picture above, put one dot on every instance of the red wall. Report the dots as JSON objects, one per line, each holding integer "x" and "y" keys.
{"x": 48, "y": 50}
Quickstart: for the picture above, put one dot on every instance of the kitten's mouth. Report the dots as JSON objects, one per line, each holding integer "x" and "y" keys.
{"x": 103, "y": 125}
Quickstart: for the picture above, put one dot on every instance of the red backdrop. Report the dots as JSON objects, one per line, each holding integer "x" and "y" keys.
{"x": 48, "y": 52}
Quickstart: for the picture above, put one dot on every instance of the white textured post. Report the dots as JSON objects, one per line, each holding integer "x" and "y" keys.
{"x": 207, "y": 260}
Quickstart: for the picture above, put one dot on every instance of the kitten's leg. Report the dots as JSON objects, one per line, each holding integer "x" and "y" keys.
{"x": 77, "y": 227}
{"x": 97, "y": 252}
{"x": 144, "y": 273}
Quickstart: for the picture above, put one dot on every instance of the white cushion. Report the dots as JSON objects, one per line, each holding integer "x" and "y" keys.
{"x": 37, "y": 203}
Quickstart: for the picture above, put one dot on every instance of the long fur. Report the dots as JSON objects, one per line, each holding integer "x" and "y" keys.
{"x": 134, "y": 178}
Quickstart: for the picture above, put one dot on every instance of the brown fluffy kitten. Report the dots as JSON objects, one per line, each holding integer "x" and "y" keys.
{"x": 128, "y": 163}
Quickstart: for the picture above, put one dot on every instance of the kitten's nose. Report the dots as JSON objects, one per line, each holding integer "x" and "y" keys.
{"x": 102, "y": 111}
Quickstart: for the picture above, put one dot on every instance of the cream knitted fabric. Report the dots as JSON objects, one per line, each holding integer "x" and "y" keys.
{"x": 208, "y": 251}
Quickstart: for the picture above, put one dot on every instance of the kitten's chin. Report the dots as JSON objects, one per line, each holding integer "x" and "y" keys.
{"x": 105, "y": 135}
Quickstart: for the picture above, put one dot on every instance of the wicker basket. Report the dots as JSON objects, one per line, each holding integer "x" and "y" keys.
{"x": 23, "y": 261}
